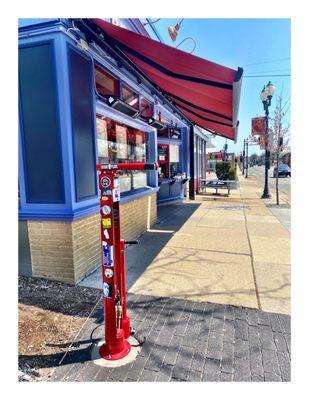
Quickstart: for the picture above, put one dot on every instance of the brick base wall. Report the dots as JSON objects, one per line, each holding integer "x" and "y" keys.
{"x": 137, "y": 216}
{"x": 67, "y": 251}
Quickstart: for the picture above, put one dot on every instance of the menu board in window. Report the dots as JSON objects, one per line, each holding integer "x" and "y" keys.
{"x": 140, "y": 149}
{"x": 102, "y": 139}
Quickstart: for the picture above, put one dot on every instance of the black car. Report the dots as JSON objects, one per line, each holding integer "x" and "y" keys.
{"x": 284, "y": 170}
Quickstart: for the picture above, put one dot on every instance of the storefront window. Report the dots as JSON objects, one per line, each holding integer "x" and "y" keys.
{"x": 121, "y": 143}
{"x": 129, "y": 96}
{"x": 168, "y": 159}
{"x": 106, "y": 84}
{"x": 102, "y": 140}
{"x": 174, "y": 160}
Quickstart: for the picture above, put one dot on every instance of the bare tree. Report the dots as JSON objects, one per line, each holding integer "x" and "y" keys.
{"x": 280, "y": 128}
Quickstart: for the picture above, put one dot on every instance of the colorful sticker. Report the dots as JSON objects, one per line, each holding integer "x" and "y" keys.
{"x": 107, "y": 222}
{"x": 107, "y": 289}
{"x": 105, "y": 181}
{"x": 116, "y": 194}
{"x": 106, "y": 234}
{"x": 108, "y": 254}
{"x": 106, "y": 210}
{"x": 109, "y": 273}
{"x": 108, "y": 192}
{"x": 104, "y": 198}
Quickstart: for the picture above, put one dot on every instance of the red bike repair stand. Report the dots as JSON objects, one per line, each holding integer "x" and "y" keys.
{"x": 117, "y": 322}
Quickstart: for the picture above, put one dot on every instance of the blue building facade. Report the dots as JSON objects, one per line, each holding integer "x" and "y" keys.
{"x": 67, "y": 124}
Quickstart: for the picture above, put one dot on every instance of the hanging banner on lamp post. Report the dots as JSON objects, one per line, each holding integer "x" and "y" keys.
{"x": 258, "y": 126}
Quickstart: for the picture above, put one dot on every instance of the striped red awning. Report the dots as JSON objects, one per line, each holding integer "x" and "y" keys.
{"x": 206, "y": 93}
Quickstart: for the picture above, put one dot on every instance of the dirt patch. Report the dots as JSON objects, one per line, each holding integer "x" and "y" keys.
{"x": 50, "y": 315}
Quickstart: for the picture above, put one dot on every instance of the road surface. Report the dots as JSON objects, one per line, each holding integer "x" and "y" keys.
{"x": 284, "y": 183}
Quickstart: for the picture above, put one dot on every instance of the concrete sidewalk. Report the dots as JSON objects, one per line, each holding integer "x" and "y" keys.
{"x": 231, "y": 250}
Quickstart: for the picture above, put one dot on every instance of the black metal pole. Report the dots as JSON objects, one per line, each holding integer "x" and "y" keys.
{"x": 266, "y": 194}
{"x": 243, "y": 159}
{"x": 191, "y": 146}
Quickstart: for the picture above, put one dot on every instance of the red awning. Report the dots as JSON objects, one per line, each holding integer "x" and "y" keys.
{"x": 206, "y": 93}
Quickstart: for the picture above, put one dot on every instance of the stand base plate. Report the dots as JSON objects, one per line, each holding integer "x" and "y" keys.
{"x": 114, "y": 363}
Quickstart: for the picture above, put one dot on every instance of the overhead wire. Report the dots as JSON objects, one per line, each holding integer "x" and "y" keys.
{"x": 267, "y": 62}
{"x": 264, "y": 76}
{"x": 271, "y": 70}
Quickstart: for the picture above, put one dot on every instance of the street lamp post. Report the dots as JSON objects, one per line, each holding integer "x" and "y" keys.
{"x": 266, "y": 96}
{"x": 243, "y": 158}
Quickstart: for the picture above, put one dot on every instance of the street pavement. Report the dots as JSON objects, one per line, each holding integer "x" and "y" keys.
{"x": 209, "y": 288}
{"x": 189, "y": 341}
{"x": 258, "y": 173}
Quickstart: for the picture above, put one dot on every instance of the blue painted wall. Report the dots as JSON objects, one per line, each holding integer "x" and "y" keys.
{"x": 74, "y": 179}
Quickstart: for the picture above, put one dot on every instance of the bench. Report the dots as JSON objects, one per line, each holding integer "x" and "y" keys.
{"x": 216, "y": 184}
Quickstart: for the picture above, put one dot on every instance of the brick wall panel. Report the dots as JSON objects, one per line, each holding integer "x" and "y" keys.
{"x": 67, "y": 251}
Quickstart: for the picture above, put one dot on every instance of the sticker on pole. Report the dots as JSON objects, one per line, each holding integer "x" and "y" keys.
{"x": 116, "y": 194}
{"x": 109, "y": 273}
{"x": 107, "y": 289}
{"x": 106, "y": 222}
{"x": 106, "y": 234}
{"x": 105, "y": 182}
{"x": 106, "y": 210}
{"x": 108, "y": 254}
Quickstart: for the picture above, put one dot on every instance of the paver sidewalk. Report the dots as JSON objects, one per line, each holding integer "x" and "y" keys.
{"x": 190, "y": 341}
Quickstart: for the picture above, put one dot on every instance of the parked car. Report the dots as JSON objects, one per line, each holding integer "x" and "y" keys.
{"x": 284, "y": 170}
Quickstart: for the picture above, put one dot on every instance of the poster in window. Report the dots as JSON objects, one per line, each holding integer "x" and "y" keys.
{"x": 140, "y": 149}
{"x": 102, "y": 138}
{"x": 121, "y": 139}
{"x": 174, "y": 153}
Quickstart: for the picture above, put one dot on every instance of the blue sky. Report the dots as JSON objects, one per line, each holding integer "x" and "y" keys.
{"x": 260, "y": 46}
